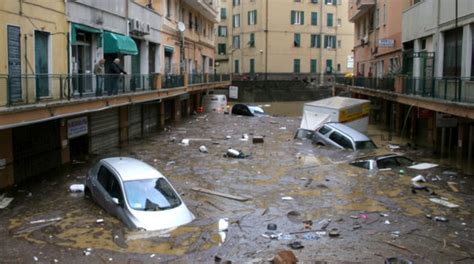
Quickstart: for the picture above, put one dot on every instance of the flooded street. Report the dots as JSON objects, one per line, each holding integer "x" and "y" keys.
{"x": 308, "y": 192}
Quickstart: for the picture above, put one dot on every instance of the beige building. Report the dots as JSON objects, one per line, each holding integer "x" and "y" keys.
{"x": 198, "y": 18}
{"x": 282, "y": 36}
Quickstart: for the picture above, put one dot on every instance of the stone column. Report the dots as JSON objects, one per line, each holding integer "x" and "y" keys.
{"x": 64, "y": 141}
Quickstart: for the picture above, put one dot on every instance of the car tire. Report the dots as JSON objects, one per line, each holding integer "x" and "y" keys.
{"x": 87, "y": 193}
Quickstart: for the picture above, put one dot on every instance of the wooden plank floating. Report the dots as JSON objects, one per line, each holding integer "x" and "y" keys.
{"x": 225, "y": 195}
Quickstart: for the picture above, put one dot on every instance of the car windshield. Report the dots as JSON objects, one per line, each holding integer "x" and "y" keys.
{"x": 256, "y": 110}
{"x": 365, "y": 145}
{"x": 151, "y": 195}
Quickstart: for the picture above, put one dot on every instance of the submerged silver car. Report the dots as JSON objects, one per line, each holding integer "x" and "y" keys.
{"x": 137, "y": 194}
{"x": 341, "y": 136}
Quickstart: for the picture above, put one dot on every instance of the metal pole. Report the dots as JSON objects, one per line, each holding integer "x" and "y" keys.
{"x": 266, "y": 42}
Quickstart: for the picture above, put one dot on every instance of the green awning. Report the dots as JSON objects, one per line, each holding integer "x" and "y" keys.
{"x": 169, "y": 49}
{"x": 81, "y": 27}
{"x": 117, "y": 43}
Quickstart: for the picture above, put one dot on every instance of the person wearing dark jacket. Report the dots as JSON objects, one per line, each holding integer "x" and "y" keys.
{"x": 115, "y": 70}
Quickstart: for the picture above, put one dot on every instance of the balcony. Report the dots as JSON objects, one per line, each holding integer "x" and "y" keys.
{"x": 33, "y": 98}
{"x": 359, "y": 8}
{"x": 447, "y": 89}
{"x": 207, "y": 8}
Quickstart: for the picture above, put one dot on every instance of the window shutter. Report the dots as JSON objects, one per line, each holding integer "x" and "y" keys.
{"x": 325, "y": 41}
{"x": 255, "y": 17}
{"x": 313, "y": 41}
{"x": 302, "y": 18}
{"x": 293, "y": 17}
{"x": 334, "y": 42}
{"x": 313, "y": 66}
{"x": 248, "y": 17}
{"x": 314, "y": 18}
{"x": 318, "y": 41}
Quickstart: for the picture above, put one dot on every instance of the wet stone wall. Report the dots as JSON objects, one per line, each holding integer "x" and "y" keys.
{"x": 281, "y": 91}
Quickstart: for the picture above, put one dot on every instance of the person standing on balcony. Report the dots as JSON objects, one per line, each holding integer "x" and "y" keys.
{"x": 115, "y": 70}
{"x": 99, "y": 71}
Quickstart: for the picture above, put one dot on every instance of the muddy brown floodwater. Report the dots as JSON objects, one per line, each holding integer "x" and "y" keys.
{"x": 376, "y": 214}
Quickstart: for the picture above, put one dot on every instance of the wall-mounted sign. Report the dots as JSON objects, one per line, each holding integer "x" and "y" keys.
{"x": 386, "y": 43}
{"x": 233, "y": 92}
{"x": 77, "y": 127}
{"x": 446, "y": 120}
{"x": 350, "y": 61}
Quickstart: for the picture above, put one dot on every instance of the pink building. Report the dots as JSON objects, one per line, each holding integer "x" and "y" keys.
{"x": 377, "y": 33}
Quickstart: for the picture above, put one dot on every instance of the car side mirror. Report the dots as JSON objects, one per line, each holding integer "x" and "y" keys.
{"x": 116, "y": 201}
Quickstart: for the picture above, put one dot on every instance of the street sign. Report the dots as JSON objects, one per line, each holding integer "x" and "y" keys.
{"x": 386, "y": 43}
{"x": 233, "y": 92}
{"x": 77, "y": 127}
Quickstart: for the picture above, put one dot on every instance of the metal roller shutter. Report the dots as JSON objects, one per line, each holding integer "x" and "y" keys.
{"x": 104, "y": 130}
{"x": 150, "y": 117}
{"x": 135, "y": 121}
{"x": 36, "y": 149}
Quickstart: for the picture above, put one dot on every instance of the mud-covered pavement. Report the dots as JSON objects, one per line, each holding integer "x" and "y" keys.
{"x": 377, "y": 214}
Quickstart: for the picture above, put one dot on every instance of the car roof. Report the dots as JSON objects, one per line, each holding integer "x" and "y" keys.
{"x": 349, "y": 131}
{"x": 130, "y": 169}
{"x": 380, "y": 157}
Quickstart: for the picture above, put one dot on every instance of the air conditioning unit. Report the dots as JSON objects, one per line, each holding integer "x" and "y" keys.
{"x": 147, "y": 28}
{"x": 135, "y": 25}
{"x": 366, "y": 39}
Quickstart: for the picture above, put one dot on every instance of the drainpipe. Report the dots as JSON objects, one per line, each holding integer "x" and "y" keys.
{"x": 266, "y": 40}
{"x": 26, "y": 66}
{"x": 321, "y": 41}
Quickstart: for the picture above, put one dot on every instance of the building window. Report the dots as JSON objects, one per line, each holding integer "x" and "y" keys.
{"x": 221, "y": 49}
{"x": 236, "y": 66}
{"x": 314, "y": 64}
{"x": 297, "y": 40}
{"x": 339, "y": 44}
{"x": 223, "y": 13}
{"x": 338, "y": 67}
{"x": 235, "y": 2}
{"x": 314, "y": 1}
{"x": 252, "y": 17}
{"x": 329, "y": 2}
{"x": 236, "y": 21}
{"x": 236, "y": 42}
{"x": 222, "y": 31}
{"x": 339, "y": 22}
{"x": 297, "y": 17}
{"x": 376, "y": 18}
{"x": 252, "y": 40}
{"x": 315, "y": 41}
{"x": 252, "y": 66}
{"x": 168, "y": 8}
{"x": 328, "y": 66}
{"x": 451, "y": 64}
{"x": 296, "y": 66}
{"x": 330, "y": 42}
{"x": 190, "y": 21}
{"x": 329, "y": 19}
{"x": 314, "y": 18}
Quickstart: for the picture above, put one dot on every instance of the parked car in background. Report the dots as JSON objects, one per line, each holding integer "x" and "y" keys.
{"x": 137, "y": 194}
{"x": 247, "y": 110}
{"x": 341, "y": 136}
{"x": 390, "y": 161}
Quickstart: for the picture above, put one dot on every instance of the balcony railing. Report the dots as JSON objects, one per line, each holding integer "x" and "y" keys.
{"x": 457, "y": 89}
{"x": 359, "y": 9}
{"x": 172, "y": 81}
{"x": 196, "y": 79}
{"x": 31, "y": 89}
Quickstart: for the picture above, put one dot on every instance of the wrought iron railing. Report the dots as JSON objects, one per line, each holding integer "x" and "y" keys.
{"x": 458, "y": 89}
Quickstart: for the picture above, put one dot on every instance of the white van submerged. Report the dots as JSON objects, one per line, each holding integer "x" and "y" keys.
{"x": 214, "y": 103}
